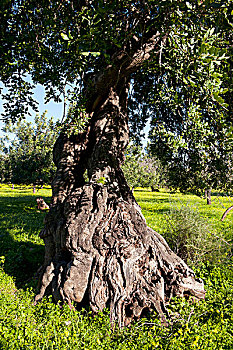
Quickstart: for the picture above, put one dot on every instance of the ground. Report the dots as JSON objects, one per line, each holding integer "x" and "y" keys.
{"x": 206, "y": 325}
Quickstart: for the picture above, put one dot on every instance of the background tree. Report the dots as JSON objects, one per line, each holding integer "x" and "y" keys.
{"x": 141, "y": 170}
{"x": 131, "y": 167}
{"x": 153, "y": 174}
{"x": 199, "y": 159}
{"x": 98, "y": 248}
{"x": 3, "y": 166}
{"x": 192, "y": 126}
{"x": 28, "y": 151}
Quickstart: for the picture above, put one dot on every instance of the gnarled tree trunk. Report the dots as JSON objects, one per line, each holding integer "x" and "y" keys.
{"x": 98, "y": 248}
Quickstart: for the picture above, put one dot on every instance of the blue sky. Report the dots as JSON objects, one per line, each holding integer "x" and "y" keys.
{"x": 55, "y": 110}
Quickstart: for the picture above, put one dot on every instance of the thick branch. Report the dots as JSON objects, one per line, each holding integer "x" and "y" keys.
{"x": 123, "y": 65}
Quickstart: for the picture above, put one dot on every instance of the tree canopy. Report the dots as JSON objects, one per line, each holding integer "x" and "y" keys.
{"x": 198, "y": 155}
{"x": 64, "y": 44}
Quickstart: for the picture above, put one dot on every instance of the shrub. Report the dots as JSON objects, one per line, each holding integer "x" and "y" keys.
{"x": 191, "y": 237}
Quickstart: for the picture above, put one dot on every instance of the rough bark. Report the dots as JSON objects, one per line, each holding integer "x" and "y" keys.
{"x": 98, "y": 248}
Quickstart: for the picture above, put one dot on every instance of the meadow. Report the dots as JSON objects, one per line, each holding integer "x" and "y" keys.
{"x": 203, "y": 325}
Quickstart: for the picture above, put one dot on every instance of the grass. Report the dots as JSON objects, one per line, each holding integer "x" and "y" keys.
{"x": 20, "y": 224}
{"x": 204, "y": 325}
{"x": 154, "y": 205}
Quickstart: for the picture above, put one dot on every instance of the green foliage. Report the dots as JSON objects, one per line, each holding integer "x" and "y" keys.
{"x": 76, "y": 120}
{"x": 142, "y": 170}
{"x": 28, "y": 154}
{"x": 194, "y": 72}
{"x": 155, "y": 205}
{"x": 65, "y": 44}
{"x": 191, "y": 127}
{"x": 101, "y": 180}
{"x": 203, "y": 325}
{"x": 153, "y": 174}
{"x": 131, "y": 166}
{"x": 198, "y": 155}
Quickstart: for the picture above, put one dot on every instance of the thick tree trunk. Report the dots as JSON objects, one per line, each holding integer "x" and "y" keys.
{"x": 98, "y": 248}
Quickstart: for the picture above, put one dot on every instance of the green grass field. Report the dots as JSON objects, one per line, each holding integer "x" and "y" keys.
{"x": 204, "y": 325}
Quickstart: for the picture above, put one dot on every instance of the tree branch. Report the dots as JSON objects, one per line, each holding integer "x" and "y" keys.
{"x": 122, "y": 66}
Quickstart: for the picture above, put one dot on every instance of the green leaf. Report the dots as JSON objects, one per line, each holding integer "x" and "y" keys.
{"x": 189, "y": 5}
{"x": 220, "y": 100}
{"x": 64, "y": 37}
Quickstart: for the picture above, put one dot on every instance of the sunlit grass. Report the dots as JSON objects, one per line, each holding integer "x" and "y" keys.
{"x": 155, "y": 205}
{"x": 204, "y": 325}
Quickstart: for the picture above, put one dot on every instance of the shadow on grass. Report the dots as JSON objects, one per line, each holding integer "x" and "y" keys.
{"x": 20, "y": 245}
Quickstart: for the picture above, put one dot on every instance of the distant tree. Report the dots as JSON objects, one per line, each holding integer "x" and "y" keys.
{"x": 131, "y": 166}
{"x": 3, "y": 171}
{"x": 141, "y": 169}
{"x": 199, "y": 158}
{"x": 27, "y": 154}
{"x": 194, "y": 140}
{"x": 153, "y": 174}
